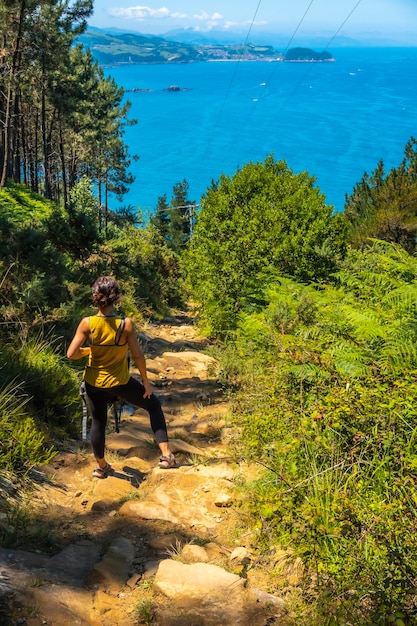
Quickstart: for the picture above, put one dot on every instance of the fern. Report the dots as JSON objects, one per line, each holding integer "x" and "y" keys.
{"x": 402, "y": 301}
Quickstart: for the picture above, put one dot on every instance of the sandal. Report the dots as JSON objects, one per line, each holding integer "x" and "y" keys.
{"x": 167, "y": 462}
{"x": 103, "y": 472}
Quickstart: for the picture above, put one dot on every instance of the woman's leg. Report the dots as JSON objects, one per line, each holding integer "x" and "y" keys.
{"x": 132, "y": 393}
{"x": 97, "y": 401}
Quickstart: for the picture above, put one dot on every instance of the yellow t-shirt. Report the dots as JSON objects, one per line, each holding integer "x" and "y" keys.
{"x": 107, "y": 364}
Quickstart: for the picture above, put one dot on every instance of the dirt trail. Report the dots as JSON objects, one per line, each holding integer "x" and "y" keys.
{"x": 144, "y": 546}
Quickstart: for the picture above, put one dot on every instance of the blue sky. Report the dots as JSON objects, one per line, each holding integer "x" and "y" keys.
{"x": 389, "y": 19}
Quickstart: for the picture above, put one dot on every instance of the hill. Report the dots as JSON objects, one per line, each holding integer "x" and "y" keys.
{"x": 306, "y": 55}
{"x": 116, "y": 49}
{"x": 20, "y": 205}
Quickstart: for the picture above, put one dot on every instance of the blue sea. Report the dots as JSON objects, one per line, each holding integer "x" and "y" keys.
{"x": 336, "y": 120}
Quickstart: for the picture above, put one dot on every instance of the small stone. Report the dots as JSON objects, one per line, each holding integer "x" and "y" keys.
{"x": 150, "y": 569}
{"x": 78, "y": 494}
{"x": 266, "y": 598}
{"x": 194, "y": 554}
{"x": 240, "y": 556}
{"x": 133, "y": 580}
{"x": 223, "y": 499}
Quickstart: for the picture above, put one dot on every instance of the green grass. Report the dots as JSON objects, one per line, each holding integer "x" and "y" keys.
{"x": 20, "y": 205}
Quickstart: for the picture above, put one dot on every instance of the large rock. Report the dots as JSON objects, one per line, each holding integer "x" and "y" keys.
{"x": 73, "y": 564}
{"x": 63, "y": 606}
{"x": 197, "y": 362}
{"x": 184, "y": 496}
{"x": 196, "y": 584}
{"x": 115, "y": 568}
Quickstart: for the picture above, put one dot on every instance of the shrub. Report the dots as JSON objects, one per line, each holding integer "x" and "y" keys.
{"x": 265, "y": 220}
{"x": 22, "y": 444}
{"x": 47, "y": 379}
{"x": 327, "y": 405}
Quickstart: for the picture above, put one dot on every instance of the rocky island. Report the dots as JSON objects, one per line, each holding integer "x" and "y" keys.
{"x": 176, "y": 88}
{"x": 305, "y": 55}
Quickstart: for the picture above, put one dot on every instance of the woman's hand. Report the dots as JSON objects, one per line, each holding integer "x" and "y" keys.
{"x": 148, "y": 389}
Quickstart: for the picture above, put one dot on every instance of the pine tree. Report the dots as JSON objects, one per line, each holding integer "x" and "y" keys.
{"x": 175, "y": 221}
{"x": 181, "y": 217}
{"x": 161, "y": 219}
{"x": 384, "y": 206}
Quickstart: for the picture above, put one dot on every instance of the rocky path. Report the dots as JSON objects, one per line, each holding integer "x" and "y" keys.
{"x": 144, "y": 546}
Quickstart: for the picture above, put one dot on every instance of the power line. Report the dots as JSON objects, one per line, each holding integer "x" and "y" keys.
{"x": 174, "y": 207}
{"x": 264, "y": 86}
{"x": 343, "y": 23}
{"x": 232, "y": 78}
{"x": 189, "y": 214}
{"x": 298, "y": 26}
{"x": 310, "y": 68}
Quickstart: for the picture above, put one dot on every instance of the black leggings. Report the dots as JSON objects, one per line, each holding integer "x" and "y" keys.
{"x": 98, "y": 398}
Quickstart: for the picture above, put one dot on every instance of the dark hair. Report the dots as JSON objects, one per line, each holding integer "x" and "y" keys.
{"x": 105, "y": 291}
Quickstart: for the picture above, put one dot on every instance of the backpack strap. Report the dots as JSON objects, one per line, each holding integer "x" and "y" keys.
{"x": 119, "y": 332}
{"x": 83, "y": 395}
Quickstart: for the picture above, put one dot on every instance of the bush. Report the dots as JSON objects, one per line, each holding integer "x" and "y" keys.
{"x": 22, "y": 444}
{"x": 327, "y": 405}
{"x": 47, "y": 379}
{"x": 265, "y": 220}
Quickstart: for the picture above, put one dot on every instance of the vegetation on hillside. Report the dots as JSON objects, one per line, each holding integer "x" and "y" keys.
{"x": 326, "y": 403}
{"x": 383, "y": 205}
{"x": 175, "y": 221}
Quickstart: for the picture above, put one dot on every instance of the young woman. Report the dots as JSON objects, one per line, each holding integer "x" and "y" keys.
{"x": 109, "y": 337}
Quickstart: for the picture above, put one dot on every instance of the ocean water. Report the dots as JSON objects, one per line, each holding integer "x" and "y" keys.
{"x": 335, "y": 120}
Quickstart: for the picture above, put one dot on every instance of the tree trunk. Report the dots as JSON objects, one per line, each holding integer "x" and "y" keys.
{"x": 6, "y": 156}
{"x": 46, "y": 172}
{"x": 63, "y": 168}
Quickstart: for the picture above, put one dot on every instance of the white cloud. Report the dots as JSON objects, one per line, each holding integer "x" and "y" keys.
{"x": 140, "y": 12}
{"x": 206, "y": 17}
{"x": 143, "y": 13}
{"x": 200, "y": 22}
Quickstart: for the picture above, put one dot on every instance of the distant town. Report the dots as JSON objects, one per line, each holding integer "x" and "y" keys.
{"x": 129, "y": 48}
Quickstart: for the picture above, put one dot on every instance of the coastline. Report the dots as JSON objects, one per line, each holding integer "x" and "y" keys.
{"x": 236, "y": 60}
{"x": 318, "y": 117}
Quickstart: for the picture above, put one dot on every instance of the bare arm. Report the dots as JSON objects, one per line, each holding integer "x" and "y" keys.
{"x": 75, "y": 350}
{"x": 137, "y": 356}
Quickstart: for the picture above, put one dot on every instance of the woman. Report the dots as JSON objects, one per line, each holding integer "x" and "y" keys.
{"x": 106, "y": 375}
